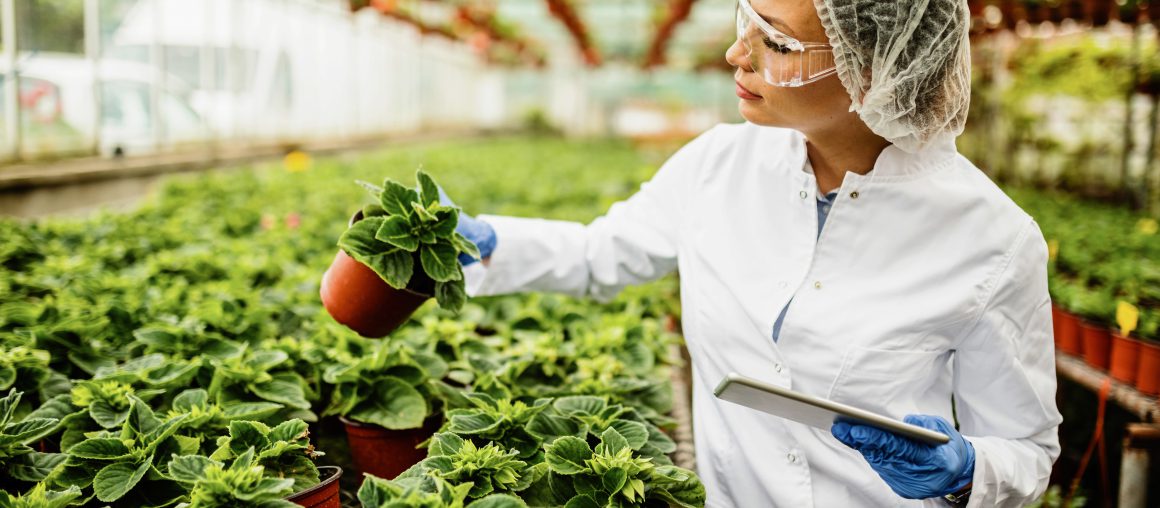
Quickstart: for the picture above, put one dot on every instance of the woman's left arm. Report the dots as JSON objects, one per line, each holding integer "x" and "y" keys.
{"x": 1004, "y": 383}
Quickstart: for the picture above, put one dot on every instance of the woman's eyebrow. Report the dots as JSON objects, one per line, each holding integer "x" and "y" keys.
{"x": 777, "y": 23}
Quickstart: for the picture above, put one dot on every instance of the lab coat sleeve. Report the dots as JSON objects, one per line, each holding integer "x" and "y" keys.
{"x": 1005, "y": 381}
{"x": 634, "y": 242}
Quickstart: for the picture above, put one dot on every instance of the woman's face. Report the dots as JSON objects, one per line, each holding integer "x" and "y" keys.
{"x": 813, "y": 107}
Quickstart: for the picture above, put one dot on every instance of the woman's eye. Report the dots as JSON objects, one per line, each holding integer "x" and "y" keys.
{"x": 775, "y": 46}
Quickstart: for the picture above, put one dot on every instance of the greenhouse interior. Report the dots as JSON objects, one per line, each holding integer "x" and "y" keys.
{"x": 579, "y": 253}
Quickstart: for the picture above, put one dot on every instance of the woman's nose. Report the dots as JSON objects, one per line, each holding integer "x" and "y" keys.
{"x": 737, "y": 56}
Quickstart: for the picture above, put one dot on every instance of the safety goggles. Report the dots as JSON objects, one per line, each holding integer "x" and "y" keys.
{"x": 780, "y": 59}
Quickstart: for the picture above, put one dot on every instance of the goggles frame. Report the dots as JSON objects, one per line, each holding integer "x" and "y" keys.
{"x": 801, "y": 63}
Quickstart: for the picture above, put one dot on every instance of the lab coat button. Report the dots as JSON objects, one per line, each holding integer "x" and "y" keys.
{"x": 791, "y": 458}
{"x": 777, "y": 367}
{"x": 854, "y": 195}
{"x": 803, "y": 194}
{"x": 818, "y": 284}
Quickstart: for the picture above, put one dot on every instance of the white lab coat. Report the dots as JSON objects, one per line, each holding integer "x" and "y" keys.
{"x": 929, "y": 283}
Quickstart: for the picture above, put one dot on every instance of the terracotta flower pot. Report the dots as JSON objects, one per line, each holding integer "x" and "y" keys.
{"x": 1056, "y": 319}
{"x": 1125, "y": 358}
{"x": 357, "y": 297}
{"x": 387, "y": 453}
{"x": 323, "y": 495}
{"x": 1148, "y": 376}
{"x": 1070, "y": 341}
{"x": 1097, "y": 344}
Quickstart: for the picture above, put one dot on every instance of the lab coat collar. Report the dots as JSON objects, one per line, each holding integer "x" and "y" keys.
{"x": 893, "y": 164}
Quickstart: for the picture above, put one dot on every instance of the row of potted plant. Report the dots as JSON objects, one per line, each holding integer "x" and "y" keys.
{"x": 1105, "y": 284}
{"x": 197, "y": 292}
{"x": 1095, "y": 12}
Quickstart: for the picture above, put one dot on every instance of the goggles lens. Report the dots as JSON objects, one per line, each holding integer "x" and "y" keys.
{"x": 780, "y": 59}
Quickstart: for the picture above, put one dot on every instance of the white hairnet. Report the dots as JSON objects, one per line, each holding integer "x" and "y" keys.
{"x": 905, "y": 63}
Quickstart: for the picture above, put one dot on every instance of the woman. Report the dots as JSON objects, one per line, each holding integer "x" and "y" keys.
{"x": 924, "y": 296}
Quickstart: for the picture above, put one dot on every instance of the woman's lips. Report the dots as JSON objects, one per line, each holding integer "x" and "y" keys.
{"x": 746, "y": 94}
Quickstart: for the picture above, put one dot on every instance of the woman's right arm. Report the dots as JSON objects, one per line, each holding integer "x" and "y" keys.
{"x": 635, "y": 242}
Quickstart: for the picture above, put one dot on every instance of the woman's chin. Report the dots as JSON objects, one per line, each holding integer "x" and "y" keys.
{"x": 751, "y": 111}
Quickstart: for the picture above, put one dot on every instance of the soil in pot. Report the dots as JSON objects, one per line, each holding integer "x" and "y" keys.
{"x": 357, "y": 297}
{"x": 1125, "y": 358}
{"x": 323, "y": 495}
{"x": 1070, "y": 341}
{"x": 384, "y": 452}
{"x": 1097, "y": 344}
{"x": 1148, "y": 374}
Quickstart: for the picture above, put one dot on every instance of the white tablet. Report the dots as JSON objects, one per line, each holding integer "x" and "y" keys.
{"x": 813, "y": 411}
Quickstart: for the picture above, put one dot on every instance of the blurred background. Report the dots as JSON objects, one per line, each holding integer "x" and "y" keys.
{"x": 100, "y": 97}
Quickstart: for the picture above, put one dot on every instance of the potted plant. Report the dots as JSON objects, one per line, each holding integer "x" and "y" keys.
{"x": 116, "y": 464}
{"x": 1096, "y": 309}
{"x": 1125, "y": 356}
{"x": 256, "y": 465}
{"x": 387, "y": 395}
{"x": 1148, "y": 375}
{"x": 1068, "y": 335}
{"x": 395, "y": 255}
{"x": 424, "y": 491}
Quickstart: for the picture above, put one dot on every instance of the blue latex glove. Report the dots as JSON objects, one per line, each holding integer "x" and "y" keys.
{"x": 478, "y": 232}
{"x": 914, "y": 470}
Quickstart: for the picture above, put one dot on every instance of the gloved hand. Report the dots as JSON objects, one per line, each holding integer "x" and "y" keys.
{"x": 478, "y": 232}
{"x": 914, "y": 470}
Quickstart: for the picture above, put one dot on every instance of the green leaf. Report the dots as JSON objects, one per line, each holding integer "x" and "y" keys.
{"x": 289, "y": 431}
{"x": 446, "y": 221}
{"x": 245, "y": 435}
{"x": 251, "y": 410}
{"x": 141, "y": 418}
{"x": 103, "y": 448}
{"x": 396, "y": 231}
{"x": 393, "y": 405}
{"x": 568, "y": 455}
{"x": 423, "y": 213}
{"x": 440, "y": 262}
{"x": 429, "y": 192}
{"x": 396, "y": 199}
{"x": 283, "y": 392}
{"x": 612, "y": 442}
{"x": 451, "y": 295}
{"x": 395, "y": 267}
{"x": 499, "y": 501}
{"x": 35, "y": 466}
{"x": 190, "y": 468}
{"x": 57, "y": 407}
{"x": 472, "y": 422}
{"x": 462, "y": 244}
{"x": 444, "y": 443}
{"x": 634, "y": 433}
{"x": 116, "y": 480}
{"x": 189, "y": 399}
{"x": 7, "y": 376}
{"x": 377, "y": 492}
{"x": 29, "y": 430}
{"x": 105, "y": 415}
{"x": 614, "y": 479}
{"x": 375, "y": 190}
{"x": 583, "y": 501}
{"x": 359, "y": 239}
{"x": 548, "y": 427}
{"x": 580, "y": 405}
